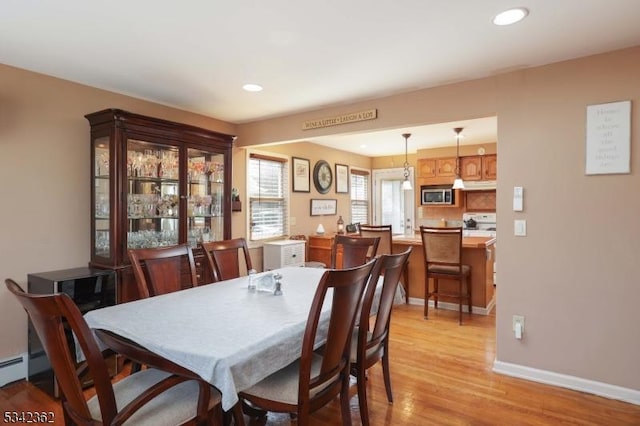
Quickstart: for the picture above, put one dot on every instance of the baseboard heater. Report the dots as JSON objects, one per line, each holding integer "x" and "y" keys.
{"x": 11, "y": 370}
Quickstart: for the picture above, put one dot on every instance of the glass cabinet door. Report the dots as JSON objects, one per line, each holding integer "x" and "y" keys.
{"x": 205, "y": 196}
{"x": 102, "y": 202}
{"x": 153, "y": 194}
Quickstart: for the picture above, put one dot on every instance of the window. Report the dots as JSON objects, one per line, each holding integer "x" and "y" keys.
{"x": 359, "y": 196}
{"x": 267, "y": 183}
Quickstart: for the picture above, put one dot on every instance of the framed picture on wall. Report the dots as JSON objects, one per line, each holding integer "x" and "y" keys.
{"x": 342, "y": 179}
{"x": 324, "y": 207}
{"x": 301, "y": 174}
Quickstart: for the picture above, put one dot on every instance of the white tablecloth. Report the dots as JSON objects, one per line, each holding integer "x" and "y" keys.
{"x": 230, "y": 337}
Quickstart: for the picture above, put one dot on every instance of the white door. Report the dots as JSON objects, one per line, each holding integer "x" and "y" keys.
{"x": 391, "y": 204}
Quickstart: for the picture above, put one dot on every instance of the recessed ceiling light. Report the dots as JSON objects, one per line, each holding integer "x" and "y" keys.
{"x": 363, "y": 146}
{"x": 251, "y": 87}
{"x": 511, "y": 16}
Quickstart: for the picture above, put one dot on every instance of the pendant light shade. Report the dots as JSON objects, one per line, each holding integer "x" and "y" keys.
{"x": 458, "y": 183}
{"x": 406, "y": 185}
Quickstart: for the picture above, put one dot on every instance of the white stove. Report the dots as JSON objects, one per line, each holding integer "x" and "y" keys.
{"x": 479, "y": 224}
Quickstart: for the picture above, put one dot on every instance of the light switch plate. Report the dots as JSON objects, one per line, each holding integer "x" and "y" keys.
{"x": 518, "y": 198}
{"x": 520, "y": 227}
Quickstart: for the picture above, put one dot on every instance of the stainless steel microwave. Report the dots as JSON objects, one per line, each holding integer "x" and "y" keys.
{"x": 436, "y": 195}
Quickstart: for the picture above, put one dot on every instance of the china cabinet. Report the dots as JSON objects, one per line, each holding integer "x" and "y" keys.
{"x": 155, "y": 183}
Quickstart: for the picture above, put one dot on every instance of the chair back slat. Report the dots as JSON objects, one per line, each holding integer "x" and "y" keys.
{"x": 163, "y": 270}
{"x": 224, "y": 257}
{"x": 382, "y": 231}
{"x": 389, "y": 267}
{"x": 355, "y": 250}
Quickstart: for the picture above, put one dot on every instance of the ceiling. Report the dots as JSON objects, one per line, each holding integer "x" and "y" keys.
{"x": 196, "y": 55}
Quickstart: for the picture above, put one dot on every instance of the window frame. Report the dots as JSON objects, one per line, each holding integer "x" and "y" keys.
{"x": 359, "y": 172}
{"x": 286, "y": 164}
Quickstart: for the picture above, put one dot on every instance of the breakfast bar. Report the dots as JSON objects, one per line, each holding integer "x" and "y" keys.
{"x": 477, "y": 252}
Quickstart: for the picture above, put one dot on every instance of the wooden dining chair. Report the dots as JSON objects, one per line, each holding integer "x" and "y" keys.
{"x": 382, "y": 231}
{"x": 315, "y": 379}
{"x": 150, "y": 397}
{"x": 371, "y": 345}
{"x": 224, "y": 257}
{"x": 163, "y": 270}
{"x": 442, "y": 249}
{"x": 356, "y": 251}
{"x": 385, "y": 233}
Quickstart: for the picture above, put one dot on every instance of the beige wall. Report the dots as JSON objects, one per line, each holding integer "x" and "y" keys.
{"x": 573, "y": 277}
{"x": 300, "y": 201}
{"x": 44, "y": 179}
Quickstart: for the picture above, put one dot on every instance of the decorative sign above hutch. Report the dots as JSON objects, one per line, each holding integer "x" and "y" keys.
{"x": 351, "y": 117}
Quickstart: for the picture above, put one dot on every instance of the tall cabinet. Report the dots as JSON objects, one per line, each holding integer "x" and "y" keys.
{"x": 155, "y": 183}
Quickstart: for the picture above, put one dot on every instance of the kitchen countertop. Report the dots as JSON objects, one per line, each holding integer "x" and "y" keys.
{"x": 467, "y": 242}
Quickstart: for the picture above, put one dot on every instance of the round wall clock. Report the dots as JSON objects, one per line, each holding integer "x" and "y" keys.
{"x": 322, "y": 176}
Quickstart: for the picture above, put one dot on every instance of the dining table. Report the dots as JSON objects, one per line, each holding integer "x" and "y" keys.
{"x": 228, "y": 335}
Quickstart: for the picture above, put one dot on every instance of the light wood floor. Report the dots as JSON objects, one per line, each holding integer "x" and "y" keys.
{"x": 441, "y": 375}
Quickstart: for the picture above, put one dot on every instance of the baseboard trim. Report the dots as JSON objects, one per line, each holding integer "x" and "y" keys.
{"x": 570, "y": 382}
{"x": 454, "y": 306}
{"x": 13, "y": 369}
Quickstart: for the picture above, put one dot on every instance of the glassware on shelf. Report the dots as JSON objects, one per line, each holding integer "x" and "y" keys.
{"x": 102, "y": 206}
{"x": 151, "y": 239}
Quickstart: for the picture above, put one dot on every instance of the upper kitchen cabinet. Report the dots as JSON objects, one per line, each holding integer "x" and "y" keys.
{"x": 479, "y": 167}
{"x": 471, "y": 168}
{"x": 155, "y": 183}
{"x": 446, "y": 167}
{"x": 436, "y": 167}
{"x": 427, "y": 167}
{"x": 489, "y": 167}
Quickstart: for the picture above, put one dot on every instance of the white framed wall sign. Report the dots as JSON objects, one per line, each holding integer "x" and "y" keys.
{"x": 608, "y": 145}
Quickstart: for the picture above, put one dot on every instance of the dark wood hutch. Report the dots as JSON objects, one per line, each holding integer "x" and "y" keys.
{"x": 155, "y": 183}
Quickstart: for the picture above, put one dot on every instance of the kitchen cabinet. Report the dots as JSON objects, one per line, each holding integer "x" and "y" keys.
{"x": 436, "y": 167}
{"x": 446, "y": 167}
{"x": 155, "y": 183}
{"x": 490, "y": 167}
{"x": 479, "y": 167}
{"x": 427, "y": 167}
{"x": 471, "y": 167}
{"x": 279, "y": 254}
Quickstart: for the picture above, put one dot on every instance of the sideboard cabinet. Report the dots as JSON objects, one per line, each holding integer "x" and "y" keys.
{"x": 155, "y": 183}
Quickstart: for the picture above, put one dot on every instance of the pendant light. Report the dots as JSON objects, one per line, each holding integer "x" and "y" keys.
{"x": 458, "y": 183}
{"x": 406, "y": 185}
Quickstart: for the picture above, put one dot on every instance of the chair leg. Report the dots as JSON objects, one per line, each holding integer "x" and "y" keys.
{"x": 362, "y": 395}
{"x": 344, "y": 403}
{"x": 466, "y": 279}
{"x": 435, "y": 290}
{"x": 405, "y": 274}
{"x": 460, "y": 300}
{"x": 426, "y": 297}
{"x": 386, "y": 372}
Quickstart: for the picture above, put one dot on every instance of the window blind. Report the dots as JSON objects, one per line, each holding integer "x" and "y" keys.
{"x": 359, "y": 196}
{"x": 267, "y": 197}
